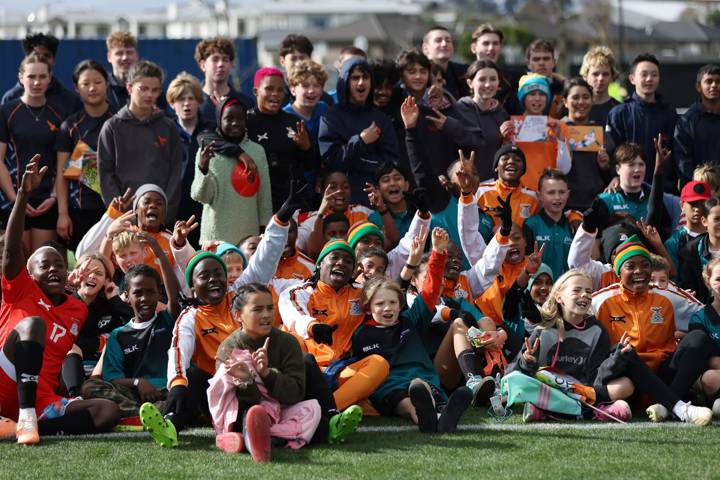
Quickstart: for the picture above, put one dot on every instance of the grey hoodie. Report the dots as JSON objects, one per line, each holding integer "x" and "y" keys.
{"x": 133, "y": 152}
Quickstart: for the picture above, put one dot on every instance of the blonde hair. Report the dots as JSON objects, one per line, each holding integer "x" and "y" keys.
{"x": 659, "y": 263}
{"x": 121, "y": 40}
{"x": 599, "y": 56}
{"x": 304, "y": 70}
{"x": 376, "y": 284}
{"x": 707, "y": 271}
{"x": 551, "y": 311}
{"x": 125, "y": 240}
{"x": 709, "y": 174}
{"x": 107, "y": 264}
{"x": 181, "y": 84}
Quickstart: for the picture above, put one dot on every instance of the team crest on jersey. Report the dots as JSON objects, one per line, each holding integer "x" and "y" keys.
{"x": 461, "y": 293}
{"x": 657, "y": 317}
{"x": 525, "y": 210}
{"x": 355, "y": 307}
{"x": 75, "y": 328}
{"x": 207, "y": 331}
{"x": 317, "y": 312}
{"x": 619, "y": 319}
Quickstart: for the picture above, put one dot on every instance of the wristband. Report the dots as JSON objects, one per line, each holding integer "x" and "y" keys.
{"x": 411, "y": 267}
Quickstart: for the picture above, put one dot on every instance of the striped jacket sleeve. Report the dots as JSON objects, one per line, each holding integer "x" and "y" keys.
{"x": 293, "y": 305}
{"x": 181, "y": 349}
{"x": 580, "y": 256}
{"x": 484, "y": 272}
{"x": 263, "y": 264}
{"x": 472, "y": 243}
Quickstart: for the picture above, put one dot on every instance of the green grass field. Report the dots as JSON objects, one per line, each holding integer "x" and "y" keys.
{"x": 391, "y": 449}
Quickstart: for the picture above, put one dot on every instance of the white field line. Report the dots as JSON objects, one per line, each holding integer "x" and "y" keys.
{"x": 500, "y": 427}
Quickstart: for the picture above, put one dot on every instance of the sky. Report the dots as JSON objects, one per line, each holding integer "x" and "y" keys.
{"x": 59, "y": 5}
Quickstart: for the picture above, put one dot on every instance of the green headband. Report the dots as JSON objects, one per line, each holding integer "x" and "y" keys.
{"x": 197, "y": 259}
{"x": 333, "y": 245}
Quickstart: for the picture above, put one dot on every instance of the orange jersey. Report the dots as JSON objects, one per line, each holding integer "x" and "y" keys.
{"x": 198, "y": 333}
{"x": 306, "y": 304}
{"x": 491, "y": 301}
{"x": 299, "y": 267}
{"x": 523, "y": 202}
{"x": 539, "y": 156}
{"x": 648, "y": 318}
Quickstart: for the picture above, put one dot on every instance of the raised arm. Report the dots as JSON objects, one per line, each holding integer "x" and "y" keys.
{"x": 13, "y": 258}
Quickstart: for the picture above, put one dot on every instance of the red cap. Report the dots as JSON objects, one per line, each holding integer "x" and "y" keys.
{"x": 694, "y": 191}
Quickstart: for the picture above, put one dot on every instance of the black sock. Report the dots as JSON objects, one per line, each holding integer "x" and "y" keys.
{"x": 73, "y": 374}
{"x": 73, "y": 423}
{"x": 468, "y": 363}
{"x": 28, "y": 362}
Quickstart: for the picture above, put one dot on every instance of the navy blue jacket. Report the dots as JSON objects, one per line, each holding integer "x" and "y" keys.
{"x": 339, "y": 138}
{"x": 697, "y": 140}
{"x": 638, "y": 121}
{"x": 64, "y": 101}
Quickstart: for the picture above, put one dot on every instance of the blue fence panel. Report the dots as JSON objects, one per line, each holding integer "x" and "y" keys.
{"x": 174, "y": 56}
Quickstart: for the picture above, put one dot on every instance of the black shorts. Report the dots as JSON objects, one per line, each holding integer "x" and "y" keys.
{"x": 46, "y": 221}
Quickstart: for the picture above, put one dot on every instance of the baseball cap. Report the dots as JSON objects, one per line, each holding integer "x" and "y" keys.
{"x": 694, "y": 191}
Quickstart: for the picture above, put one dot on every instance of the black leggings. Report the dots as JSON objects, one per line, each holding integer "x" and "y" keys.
{"x": 196, "y": 402}
{"x": 676, "y": 375}
{"x": 317, "y": 388}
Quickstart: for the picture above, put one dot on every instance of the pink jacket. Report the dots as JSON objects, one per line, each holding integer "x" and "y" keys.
{"x": 295, "y": 423}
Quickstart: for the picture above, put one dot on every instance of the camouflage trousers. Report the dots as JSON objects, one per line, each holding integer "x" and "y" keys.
{"x": 127, "y": 398}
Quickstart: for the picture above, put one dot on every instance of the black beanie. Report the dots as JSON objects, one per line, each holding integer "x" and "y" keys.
{"x": 509, "y": 148}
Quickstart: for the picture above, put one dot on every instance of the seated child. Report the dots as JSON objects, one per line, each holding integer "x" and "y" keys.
{"x": 258, "y": 392}
{"x": 106, "y": 311}
{"x": 372, "y": 263}
{"x": 294, "y": 264}
{"x": 135, "y": 363}
{"x": 660, "y": 273}
{"x": 39, "y": 323}
{"x": 708, "y": 320}
{"x": 248, "y": 245}
{"x": 149, "y": 209}
{"x": 692, "y": 202}
{"x": 412, "y": 388}
{"x": 570, "y": 340}
{"x": 522, "y": 303}
{"x": 203, "y": 326}
{"x": 336, "y": 199}
{"x": 335, "y": 225}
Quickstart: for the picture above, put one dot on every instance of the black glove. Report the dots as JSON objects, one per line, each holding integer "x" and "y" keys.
{"x": 504, "y": 213}
{"x": 466, "y": 317}
{"x": 418, "y": 197}
{"x": 322, "y": 333}
{"x": 176, "y": 400}
{"x": 594, "y": 218}
{"x": 294, "y": 201}
{"x": 528, "y": 308}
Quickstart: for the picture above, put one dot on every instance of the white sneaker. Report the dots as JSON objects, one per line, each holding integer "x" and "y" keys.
{"x": 716, "y": 408}
{"x": 697, "y": 415}
{"x": 657, "y": 413}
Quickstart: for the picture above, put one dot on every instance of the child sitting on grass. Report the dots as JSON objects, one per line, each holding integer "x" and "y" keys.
{"x": 258, "y": 389}
{"x": 412, "y": 388}
{"x": 135, "y": 362}
{"x": 570, "y": 340}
